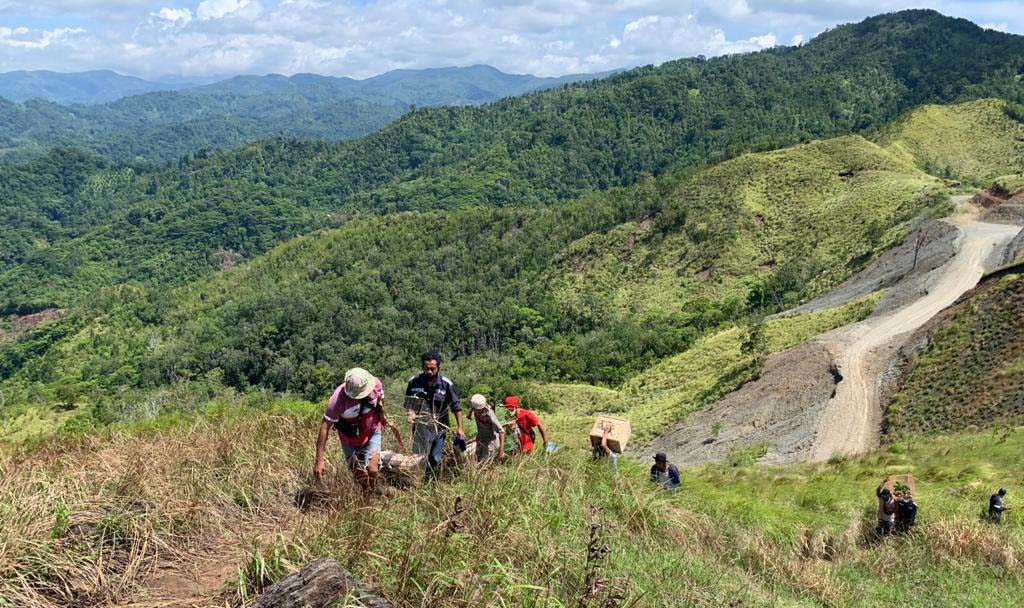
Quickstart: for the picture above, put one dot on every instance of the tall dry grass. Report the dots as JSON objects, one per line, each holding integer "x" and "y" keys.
{"x": 204, "y": 514}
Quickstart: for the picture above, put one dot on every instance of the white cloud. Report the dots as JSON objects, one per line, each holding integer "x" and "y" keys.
{"x": 174, "y": 16}
{"x": 22, "y": 37}
{"x": 218, "y": 9}
{"x": 668, "y": 37}
{"x": 358, "y": 38}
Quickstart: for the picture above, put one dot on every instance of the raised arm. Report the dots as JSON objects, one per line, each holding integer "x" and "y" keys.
{"x": 878, "y": 491}
{"x": 604, "y": 440}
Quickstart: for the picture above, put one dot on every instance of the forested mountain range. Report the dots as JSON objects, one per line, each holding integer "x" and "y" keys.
{"x": 162, "y": 126}
{"x": 597, "y": 289}
{"x": 74, "y": 222}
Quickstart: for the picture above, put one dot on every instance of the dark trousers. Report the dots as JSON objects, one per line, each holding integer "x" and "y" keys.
{"x": 884, "y": 528}
{"x": 433, "y": 447}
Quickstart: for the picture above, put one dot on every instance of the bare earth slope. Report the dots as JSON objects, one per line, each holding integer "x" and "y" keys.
{"x": 852, "y": 421}
{"x": 821, "y": 399}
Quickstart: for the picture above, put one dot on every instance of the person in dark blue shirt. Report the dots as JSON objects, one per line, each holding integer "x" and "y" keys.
{"x": 429, "y": 398}
{"x": 663, "y": 473}
{"x": 906, "y": 512}
{"x": 996, "y": 506}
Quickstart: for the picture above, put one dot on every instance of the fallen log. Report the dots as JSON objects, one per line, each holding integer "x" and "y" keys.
{"x": 319, "y": 584}
{"x": 402, "y": 470}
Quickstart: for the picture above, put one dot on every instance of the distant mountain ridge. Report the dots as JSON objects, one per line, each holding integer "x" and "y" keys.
{"x": 445, "y": 86}
{"x": 94, "y": 86}
{"x": 454, "y": 85}
{"x": 164, "y": 125}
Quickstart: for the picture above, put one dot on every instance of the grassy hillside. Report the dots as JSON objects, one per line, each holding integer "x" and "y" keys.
{"x": 539, "y": 149}
{"x": 672, "y": 388}
{"x": 763, "y": 228}
{"x": 976, "y": 142}
{"x": 971, "y": 374}
{"x": 132, "y": 515}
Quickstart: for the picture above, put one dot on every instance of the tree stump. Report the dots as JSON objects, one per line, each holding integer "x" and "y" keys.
{"x": 317, "y": 585}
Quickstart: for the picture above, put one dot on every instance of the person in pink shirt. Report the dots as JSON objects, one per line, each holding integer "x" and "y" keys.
{"x": 356, "y": 410}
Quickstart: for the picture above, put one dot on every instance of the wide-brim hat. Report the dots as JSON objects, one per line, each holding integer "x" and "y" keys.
{"x": 358, "y": 383}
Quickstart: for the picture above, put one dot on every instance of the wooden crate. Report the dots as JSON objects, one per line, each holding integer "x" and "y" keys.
{"x": 619, "y": 436}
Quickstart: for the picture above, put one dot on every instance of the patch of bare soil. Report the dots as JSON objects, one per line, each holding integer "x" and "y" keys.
{"x": 197, "y": 584}
{"x": 779, "y": 408}
{"x": 900, "y": 270}
{"x": 22, "y": 324}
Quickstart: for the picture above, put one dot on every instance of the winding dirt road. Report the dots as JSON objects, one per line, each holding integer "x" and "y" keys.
{"x": 851, "y": 423}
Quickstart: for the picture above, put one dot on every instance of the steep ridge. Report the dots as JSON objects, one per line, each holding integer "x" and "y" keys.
{"x": 630, "y": 289}
{"x": 822, "y": 398}
{"x": 851, "y": 424}
{"x": 595, "y": 290}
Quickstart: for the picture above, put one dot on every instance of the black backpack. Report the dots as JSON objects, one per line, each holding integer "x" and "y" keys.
{"x": 350, "y": 428}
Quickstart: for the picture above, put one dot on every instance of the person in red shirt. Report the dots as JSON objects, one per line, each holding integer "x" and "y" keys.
{"x": 525, "y": 421}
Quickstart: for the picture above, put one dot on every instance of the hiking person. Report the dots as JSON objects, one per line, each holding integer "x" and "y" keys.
{"x": 996, "y": 506}
{"x": 356, "y": 410}
{"x": 525, "y": 421}
{"x": 603, "y": 450}
{"x": 490, "y": 435}
{"x": 429, "y": 397}
{"x": 664, "y": 474}
{"x": 886, "y": 509}
{"x": 906, "y": 512}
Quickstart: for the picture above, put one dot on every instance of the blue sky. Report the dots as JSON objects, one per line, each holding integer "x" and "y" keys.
{"x": 361, "y": 38}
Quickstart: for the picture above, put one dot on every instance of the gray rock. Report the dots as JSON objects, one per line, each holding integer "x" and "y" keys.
{"x": 319, "y": 584}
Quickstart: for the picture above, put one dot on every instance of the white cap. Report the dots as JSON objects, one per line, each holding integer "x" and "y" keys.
{"x": 478, "y": 402}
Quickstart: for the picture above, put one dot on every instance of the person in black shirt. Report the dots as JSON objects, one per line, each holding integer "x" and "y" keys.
{"x": 996, "y": 506}
{"x": 663, "y": 473}
{"x": 429, "y": 398}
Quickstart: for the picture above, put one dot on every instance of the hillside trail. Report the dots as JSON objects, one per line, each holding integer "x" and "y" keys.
{"x": 850, "y": 425}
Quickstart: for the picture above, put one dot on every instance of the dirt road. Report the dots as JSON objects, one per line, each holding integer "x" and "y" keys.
{"x": 851, "y": 422}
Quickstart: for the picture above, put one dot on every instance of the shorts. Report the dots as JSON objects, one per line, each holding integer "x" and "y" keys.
{"x": 361, "y": 455}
